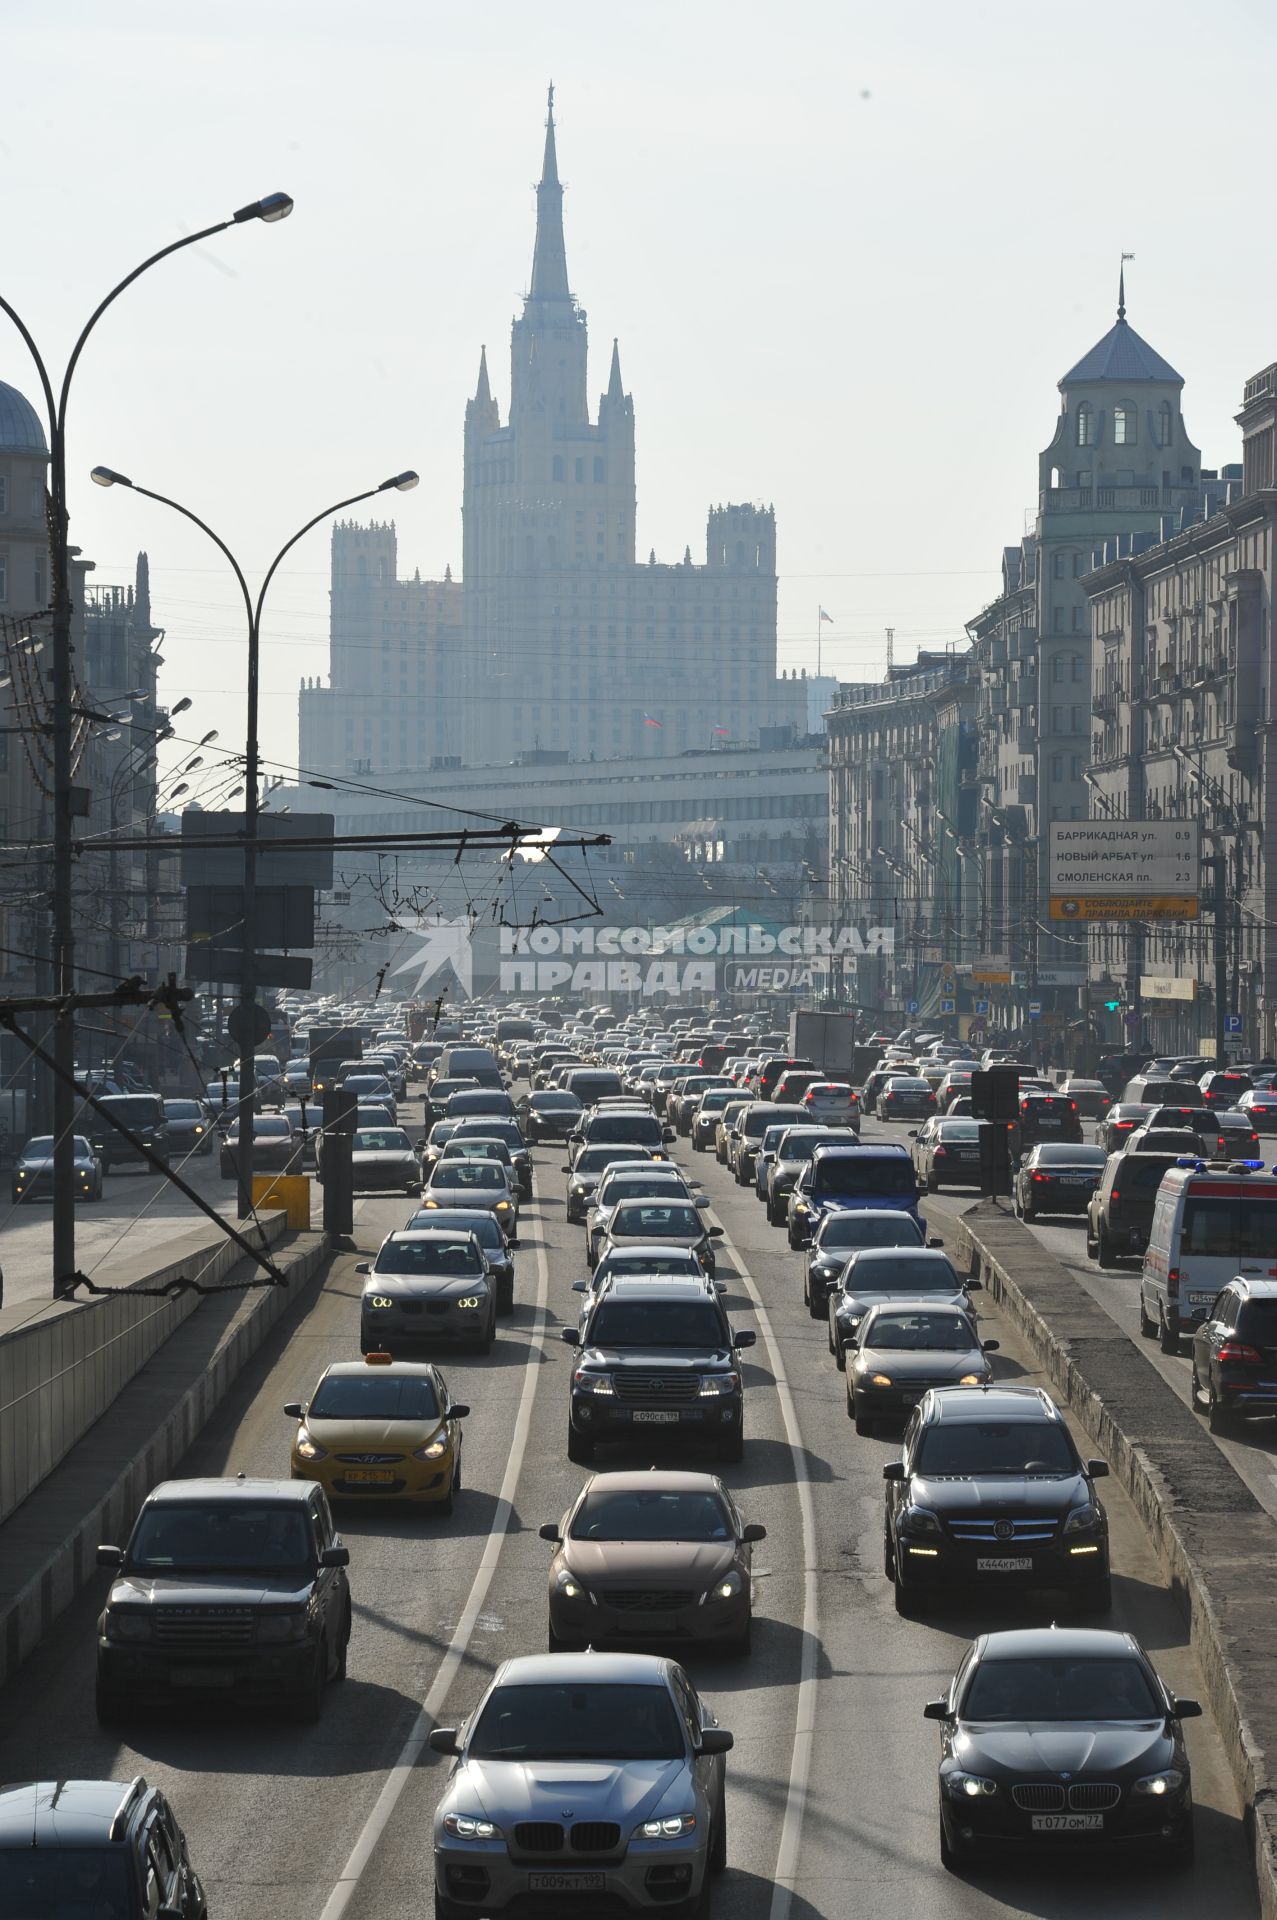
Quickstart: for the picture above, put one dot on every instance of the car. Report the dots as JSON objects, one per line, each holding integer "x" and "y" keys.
{"x": 1052, "y": 1735}
{"x": 548, "y": 1115}
{"x": 1120, "y": 1211}
{"x": 793, "y": 1152}
{"x": 427, "y": 1286}
{"x": 684, "y": 1096}
{"x": 955, "y": 1084}
{"x": 990, "y": 1494}
{"x": 1260, "y": 1108}
{"x": 645, "y": 1823}
{"x": 637, "y": 1180}
{"x": 1091, "y": 1097}
{"x": 905, "y": 1097}
{"x": 1234, "y": 1137}
{"x": 1046, "y": 1116}
{"x": 791, "y": 1088}
{"x": 706, "y": 1114}
{"x": 770, "y": 1069}
{"x": 190, "y": 1127}
{"x": 1054, "y": 1177}
{"x": 1181, "y": 1141}
{"x": 674, "y": 1222}
{"x": 630, "y": 1125}
{"x": 849, "y": 1176}
{"x": 141, "y": 1113}
{"x": 588, "y": 1169}
{"x": 874, "y": 1274}
{"x": 95, "y": 1850}
{"x": 638, "y": 1262}
{"x": 727, "y": 1118}
{"x": 380, "y": 1429}
{"x": 832, "y": 1103}
{"x": 1235, "y": 1354}
{"x": 487, "y": 1230}
{"x": 1225, "y": 1087}
{"x": 842, "y": 1234}
{"x": 474, "y": 1182}
{"x": 656, "y": 1357}
{"x": 33, "y": 1170}
{"x": 371, "y": 1086}
{"x": 659, "y": 1555}
{"x": 946, "y": 1152}
{"x": 276, "y": 1148}
{"x": 1188, "y": 1113}
{"x": 384, "y": 1159}
{"x": 1209, "y": 1224}
{"x": 439, "y": 1092}
{"x": 495, "y": 1127}
{"x": 480, "y": 1103}
{"x": 225, "y": 1586}
{"x": 904, "y": 1347}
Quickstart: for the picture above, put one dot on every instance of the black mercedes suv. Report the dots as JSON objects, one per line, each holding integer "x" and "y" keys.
{"x": 102, "y": 1847}
{"x": 657, "y": 1360}
{"x": 991, "y": 1493}
{"x": 225, "y": 1585}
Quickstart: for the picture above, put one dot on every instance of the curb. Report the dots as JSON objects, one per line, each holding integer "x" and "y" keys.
{"x": 1216, "y": 1543}
{"x": 27, "y": 1613}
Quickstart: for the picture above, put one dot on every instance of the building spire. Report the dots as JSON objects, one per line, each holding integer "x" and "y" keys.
{"x": 549, "y": 258}
{"x": 483, "y": 392}
{"x": 615, "y": 391}
{"x": 1121, "y": 286}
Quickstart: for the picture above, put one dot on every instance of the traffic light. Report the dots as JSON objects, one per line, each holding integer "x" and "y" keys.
{"x": 1113, "y": 1006}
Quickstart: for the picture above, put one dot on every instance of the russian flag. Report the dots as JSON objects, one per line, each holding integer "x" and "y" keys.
{"x": 648, "y": 721}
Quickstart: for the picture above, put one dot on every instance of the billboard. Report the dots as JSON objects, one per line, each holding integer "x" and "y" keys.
{"x": 1124, "y": 869}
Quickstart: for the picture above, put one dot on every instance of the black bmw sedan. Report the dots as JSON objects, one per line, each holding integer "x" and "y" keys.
{"x": 1053, "y": 1735}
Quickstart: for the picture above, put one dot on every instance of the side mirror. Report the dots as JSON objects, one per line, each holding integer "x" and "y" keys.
{"x": 974, "y": 1284}
{"x": 715, "y": 1233}
{"x": 294, "y": 1409}
{"x": 753, "y": 1530}
{"x": 719, "y": 1740}
{"x": 580, "y": 1286}
{"x": 566, "y": 1168}
{"x": 363, "y": 1267}
{"x": 549, "y": 1531}
{"x": 169, "y": 1913}
{"x": 747, "y": 1338}
{"x": 569, "y": 1336}
{"x": 894, "y": 1470}
{"x": 112, "y": 1557}
{"x": 720, "y": 1286}
{"x": 459, "y": 1410}
{"x": 990, "y": 1346}
{"x": 851, "y": 1344}
{"x": 913, "y": 1133}
{"x": 1186, "y": 1709}
{"x": 335, "y": 1557}
{"x": 1097, "y": 1469}
{"x": 443, "y": 1740}
{"x": 934, "y": 1240}
{"x": 934, "y": 1710}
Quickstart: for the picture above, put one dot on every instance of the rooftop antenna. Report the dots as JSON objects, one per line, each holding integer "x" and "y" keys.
{"x": 1121, "y": 286}
{"x": 891, "y": 650}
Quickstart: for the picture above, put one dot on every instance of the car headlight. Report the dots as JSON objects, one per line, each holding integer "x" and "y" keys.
{"x": 282, "y": 1626}
{"x": 432, "y": 1203}
{"x": 1160, "y": 1783}
{"x": 199, "y": 1129}
{"x": 800, "y": 1206}
{"x": 969, "y": 1786}
{"x": 469, "y": 1301}
{"x": 1083, "y": 1518}
{"x": 972, "y": 1380}
{"x": 378, "y": 1300}
{"x": 434, "y": 1449}
{"x": 307, "y": 1448}
{"x": 503, "y": 1206}
{"x": 676, "y": 1827}
{"x": 593, "y": 1382}
{"x": 471, "y": 1826}
{"x": 569, "y": 1586}
{"x": 121, "y": 1625}
{"x": 725, "y": 1589}
{"x": 880, "y": 1380}
{"x": 918, "y": 1520}
{"x": 713, "y": 1384}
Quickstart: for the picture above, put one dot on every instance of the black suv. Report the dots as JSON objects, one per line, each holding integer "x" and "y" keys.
{"x": 225, "y": 1585}
{"x": 1235, "y": 1354}
{"x": 657, "y": 1358}
{"x": 102, "y": 1847}
{"x": 141, "y": 1113}
{"x": 990, "y": 1491}
{"x": 1120, "y": 1211}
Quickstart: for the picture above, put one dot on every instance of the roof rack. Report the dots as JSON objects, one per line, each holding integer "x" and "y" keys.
{"x": 119, "y": 1819}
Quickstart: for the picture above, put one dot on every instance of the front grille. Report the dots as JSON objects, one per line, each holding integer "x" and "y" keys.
{"x": 203, "y": 1626}
{"x": 596, "y": 1836}
{"x": 647, "y": 1599}
{"x": 671, "y": 1386}
{"x": 993, "y": 1533}
{"x": 1039, "y": 1798}
{"x": 370, "y": 1459}
{"x": 539, "y": 1836}
{"x": 1094, "y": 1796}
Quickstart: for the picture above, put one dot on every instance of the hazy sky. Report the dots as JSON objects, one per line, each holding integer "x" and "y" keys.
{"x": 848, "y": 250}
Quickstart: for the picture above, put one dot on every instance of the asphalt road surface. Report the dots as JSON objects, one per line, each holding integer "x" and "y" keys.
{"x": 831, "y": 1786}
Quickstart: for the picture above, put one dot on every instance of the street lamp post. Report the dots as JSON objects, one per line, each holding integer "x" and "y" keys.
{"x": 400, "y": 482}
{"x": 276, "y": 206}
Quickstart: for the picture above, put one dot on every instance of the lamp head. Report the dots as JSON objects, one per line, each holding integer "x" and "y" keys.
{"x": 275, "y": 206}
{"x": 401, "y": 482}
{"x": 210, "y": 735}
{"x": 181, "y": 706}
{"x": 108, "y": 477}
{"x": 178, "y": 791}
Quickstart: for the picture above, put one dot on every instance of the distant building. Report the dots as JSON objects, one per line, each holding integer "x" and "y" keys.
{"x": 557, "y": 639}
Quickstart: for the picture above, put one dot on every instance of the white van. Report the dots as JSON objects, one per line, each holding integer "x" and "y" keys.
{"x": 1208, "y": 1226}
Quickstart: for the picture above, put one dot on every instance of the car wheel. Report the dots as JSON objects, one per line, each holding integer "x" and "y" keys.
{"x": 933, "y": 1185}
{"x": 1167, "y": 1339}
{"x": 888, "y": 1558}
{"x": 1092, "y": 1249}
{"x": 1147, "y": 1327}
{"x": 580, "y": 1447}
{"x": 343, "y": 1647}
{"x": 1196, "y": 1399}
{"x": 795, "y": 1245}
{"x": 505, "y": 1298}
{"x": 1027, "y": 1213}
{"x": 1104, "y": 1249}
{"x": 732, "y": 1447}
{"x": 446, "y": 1909}
{"x": 906, "y": 1606}
{"x": 774, "y": 1219}
{"x": 864, "y": 1422}
{"x": 839, "y": 1353}
{"x": 1218, "y": 1418}
{"x": 718, "y": 1833}
{"x": 308, "y": 1700}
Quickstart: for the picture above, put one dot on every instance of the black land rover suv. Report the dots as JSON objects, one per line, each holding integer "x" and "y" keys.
{"x": 225, "y": 1585}
{"x": 990, "y": 1492}
{"x": 101, "y": 1847}
{"x": 657, "y": 1360}
{"x": 1120, "y": 1211}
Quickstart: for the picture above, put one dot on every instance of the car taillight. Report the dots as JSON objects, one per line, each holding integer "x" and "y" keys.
{"x": 1236, "y": 1350}
{"x": 1039, "y": 1176}
{"x": 941, "y": 1153}
{"x": 1073, "y": 1104}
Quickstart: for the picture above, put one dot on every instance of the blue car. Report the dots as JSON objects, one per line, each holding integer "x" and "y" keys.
{"x": 838, "y": 1177}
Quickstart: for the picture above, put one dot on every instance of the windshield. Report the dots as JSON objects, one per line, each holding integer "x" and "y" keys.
{"x": 388, "y": 1140}
{"x": 1077, "y": 1688}
{"x": 270, "y": 1126}
{"x": 227, "y": 1536}
{"x": 571, "y": 1720}
{"x": 135, "y": 1109}
{"x": 493, "y": 1127}
{"x": 657, "y": 1323}
{"x": 904, "y": 1272}
{"x": 597, "y": 1159}
{"x": 1230, "y": 1228}
{"x": 640, "y": 1513}
{"x": 627, "y": 1125}
{"x": 428, "y": 1256}
{"x": 959, "y": 1130}
{"x": 78, "y": 1882}
{"x": 375, "y": 1396}
{"x": 1143, "y": 1171}
{"x": 638, "y": 1186}
{"x": 485, "y": 1226}
{"x": 183, "y": 1109}
{"x": 652, "y": 1221}
{"x": 994, "y": 1446}
{"x": 868, "y": 1230}
{"x": 468, "y": 1173}
{"x": 1058, "y": 1155}
{"x": 913, "y": 1332}
{"x": 648, "y": 1266}
{"x": 555, "y": 1103}
{"x": 856, "y": 1176}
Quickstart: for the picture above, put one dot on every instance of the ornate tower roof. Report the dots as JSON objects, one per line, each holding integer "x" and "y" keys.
{"x": 20, "y": 429}
{"x": 549, "y": 256}
{"x": 1122, "y": 355}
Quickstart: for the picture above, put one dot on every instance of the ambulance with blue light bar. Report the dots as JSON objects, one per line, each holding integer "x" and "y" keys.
{"x": 1210, "y": 1223}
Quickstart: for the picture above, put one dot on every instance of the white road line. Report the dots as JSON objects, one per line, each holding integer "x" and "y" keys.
{"x": 433, "y": 1704}
{"x": 791, "y": 1830}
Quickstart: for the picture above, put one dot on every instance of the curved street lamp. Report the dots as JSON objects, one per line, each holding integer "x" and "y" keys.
{"x": 398, "y": 482}
{"x": 275, "y": 206}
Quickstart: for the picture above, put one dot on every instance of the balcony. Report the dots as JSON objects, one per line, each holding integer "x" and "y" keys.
{"x": 1104, "y": 705}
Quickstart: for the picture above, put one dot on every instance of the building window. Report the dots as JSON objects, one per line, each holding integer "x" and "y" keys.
{"x": 1085, "y": 426}
{"x": 1123, "y": 425}
{"x": 1057, "y": 766}
{"x": 1057, "y": 667}
{"x": 556, "y": 467}
{"x": 1166, "y": 424}
{"x": 1057, "y": 565}
{"x": 1078, "y": 668}
{"x": 4, "y": 579}
{"x": 580, "y": 469}
{"x": 600, "y": 471}
{"x": 4, "y": 493}
{"x": 37, "y": 577}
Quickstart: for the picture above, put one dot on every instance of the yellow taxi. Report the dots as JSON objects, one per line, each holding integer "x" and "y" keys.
{"x": 380, "y": 1429}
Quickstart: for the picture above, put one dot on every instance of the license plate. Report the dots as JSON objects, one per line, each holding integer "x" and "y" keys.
{"x": 567, "y": 1882}
{"x": 1074, "y": 1179}
{"x": 369, "y": 1476}
{"x": 1004, "y": 1563}
{"x": 1045, "y": 1121}
{"x": 1067, "y": 1822}
{"x": 201, "y": 1677}
{"x": 1201, "y": 1299}
{"x": 655, "y": 1417}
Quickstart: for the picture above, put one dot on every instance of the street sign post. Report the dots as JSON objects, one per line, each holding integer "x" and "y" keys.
{"x": 911, "y": 1006}
{"x": 1035, "y": 1009}
{"x": 248, "y": 1034}
{"x": 1124, "y": 870}
{"x": 1232, "y": 1023}
{"x": 982, "y": 1008}
{"x": 948, "y": 1006}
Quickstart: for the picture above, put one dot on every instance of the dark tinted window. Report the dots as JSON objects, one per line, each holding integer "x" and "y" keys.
{"x": 1078, "y": 1688}
{"x": 183, "y": 1109}
{"x": 388, "y": 1140}
{"x": 654, "y": 1221}
{"x": 657, "y": 1323}
{"x": 480, "y": 1174}
{"x": 485, "y": 1226}
{"x": 375, "y": 1395}
{"x": 594, "y": 1159}
{"x": 1059, "y": 1155}
{"x": 555, "y": 1103}
{"x": 427, "y": 1256}
{"x": 627, "y": 1124}
{"x": 1258, "y": 1322}
{"x": 903, "y": 1272}
{"x": 223, "y": 1536}
{"x": 869, "y": 1230}
{"x": 573, "y": 1720}
{"x": 1142, "y": 1172}
{"x": 1230, "y": 1228}
{"x": 862, "y": 1175}
{"x": 679, "y": 1263}
{"x": 76, "y": 1881}
{"x": 995, "y": 1446}
{"x": 911, "y": 1332}
{"x": 135, "y": 1109}
{"x": 637, "y": 1513}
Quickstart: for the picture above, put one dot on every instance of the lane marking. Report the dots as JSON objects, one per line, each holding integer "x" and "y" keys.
{"x": 791, "y": 1830}
{"x": 471, "y": 1618}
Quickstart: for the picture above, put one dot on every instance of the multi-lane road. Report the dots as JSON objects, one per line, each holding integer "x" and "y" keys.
{"x": 831, "y": 1786}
